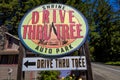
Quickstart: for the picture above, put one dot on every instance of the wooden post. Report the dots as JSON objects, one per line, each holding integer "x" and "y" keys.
{"x": 20, "y": 60}
{"x": 89, "y": 69}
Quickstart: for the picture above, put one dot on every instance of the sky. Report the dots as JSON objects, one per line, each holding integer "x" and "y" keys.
{"x": 65, "y": 73}
{"x": 115, "y": 6}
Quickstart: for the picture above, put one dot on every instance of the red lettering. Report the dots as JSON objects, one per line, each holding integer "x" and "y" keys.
{"x": 65, "y": 31}
{"x": 71, "y": 16}
{"x": 72, "y": 30}
{"x": 62, "y": 16}
{"x": 45, "y": 16}
{"x": 35, "y": 17}
{"x": 54, "y": 16}
{"x": 46, "y": 34}
{"x": 58, "y": 30}
{"x": 78, "y": 27}
{"x": 42, "y": 32}
{"x": 39, "y": 32}
{"x": 31, "y": 32}
{"x": 25, "y": 31}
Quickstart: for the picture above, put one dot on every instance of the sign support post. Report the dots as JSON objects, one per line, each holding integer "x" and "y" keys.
{"x": 20, "y": 73}
{"x": 89, "y": 69}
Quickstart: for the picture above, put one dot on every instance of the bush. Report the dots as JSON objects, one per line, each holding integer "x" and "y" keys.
{"x": 113, "y": 63}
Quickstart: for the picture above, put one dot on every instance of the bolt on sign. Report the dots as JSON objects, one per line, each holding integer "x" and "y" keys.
{"x": 53, "y": 30}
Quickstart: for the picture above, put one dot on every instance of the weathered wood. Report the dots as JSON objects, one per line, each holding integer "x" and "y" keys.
{"x": 89, "y": 69}
{"x": 20, "y": 60}
{"x": 3, "y": 29}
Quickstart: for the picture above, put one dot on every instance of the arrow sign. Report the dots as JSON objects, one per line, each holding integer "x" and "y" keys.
{"x": 27, "y": 63}
{"x": 65, "y": 63}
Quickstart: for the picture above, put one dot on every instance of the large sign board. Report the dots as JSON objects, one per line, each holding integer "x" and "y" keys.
{"x": 53, "y": 30}
{"x": 65, "y": 63}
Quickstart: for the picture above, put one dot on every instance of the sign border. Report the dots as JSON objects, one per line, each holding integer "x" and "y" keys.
{"x": 47, "y": 55}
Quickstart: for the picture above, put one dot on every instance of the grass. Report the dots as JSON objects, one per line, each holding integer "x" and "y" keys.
{"x": 117, "y": 63}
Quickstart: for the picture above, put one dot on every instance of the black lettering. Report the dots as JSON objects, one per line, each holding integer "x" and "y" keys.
{"x": 70, "y": 47}
{"x": 38, "y": 63}
{"x": 62, "y": 50}
{"x": 59, "y": 6}
{"x": 51, "y": 64}
{"x": 66, "y": 48}
{"x": 48, "y": 6}
{"x": 52, "y": 6}
{"x": 63, "y": 7}
{"x": 80, "y": 62}
{"x": 83, "y": 63}
{"x": 63, "y": 63}
{"x": 57, "y": 50}
{"x": 45, "y": 50}
{"x": 50, "y": 51}
{"x": 43, "y": 7}
{"x": 60, "y": 63}
{"x": 67, "y": 62}
{"x": 42, "y": 64}
{"x": 45, "y": 63}
{"x": 37, "y": 48}
{"x": 56, "y": 62}
{"x": 76, "y": 62}
{"x": 41, "y": 49}
{"x": 56, "y": 6}
{"x": 48, "y": 63}
{"x": 73, "y": 62}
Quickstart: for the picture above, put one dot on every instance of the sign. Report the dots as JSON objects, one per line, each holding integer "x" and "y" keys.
{"x": 65, "y": 63}
{"x": 53, "y": 30}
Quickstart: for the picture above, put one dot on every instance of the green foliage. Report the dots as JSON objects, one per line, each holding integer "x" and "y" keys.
{"x": 14, "y": 10}
{"x": 113, "y": 63}
{"x": 69, "y": 78}
{"x": 104, "y": 32}
{"x": 49, "y": 75}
